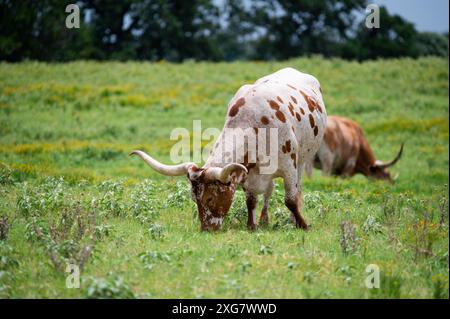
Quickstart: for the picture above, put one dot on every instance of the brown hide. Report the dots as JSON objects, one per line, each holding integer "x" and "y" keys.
{"x": 346, "y": 137}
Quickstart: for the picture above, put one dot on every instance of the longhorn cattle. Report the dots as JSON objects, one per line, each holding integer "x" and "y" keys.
{"x": 346, "y": 152}
{"x": 287, "y": 103}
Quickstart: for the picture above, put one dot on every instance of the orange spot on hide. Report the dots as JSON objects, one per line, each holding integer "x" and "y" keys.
{"x": 311, "y": 120}
{"x": 294, "y": 159}
{"x": 292, "y": 87}
{"x": 288, "y": 145}
{"x": 291, "y": 108}
{"x": 294, "y": 99}
{"x": 280, "y": 116}
{"x": 319, "y": 108}
{"x": 274, "y": 105}
{"x": 312, "y": 105}
{"x": 235, "y": 108}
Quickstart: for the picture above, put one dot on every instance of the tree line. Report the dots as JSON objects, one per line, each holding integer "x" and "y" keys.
{"x": 216, "y": 30}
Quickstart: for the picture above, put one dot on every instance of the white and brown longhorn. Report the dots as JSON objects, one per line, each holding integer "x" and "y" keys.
{"x": 345, "y": 152}
{"x": 288, "y": 101}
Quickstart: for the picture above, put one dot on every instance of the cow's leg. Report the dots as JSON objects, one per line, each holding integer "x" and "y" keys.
{"x": 294, "y": 199}
{"x": 349, "y": 168}
{"x": 252, "y": 202}
{"x": 264, "y": 218}
{"x": 325, "y": 158}
{"x": 327, "y": 166}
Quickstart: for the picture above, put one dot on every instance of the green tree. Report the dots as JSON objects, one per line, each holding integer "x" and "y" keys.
{"x": 396, "y": 37}
{"x": 113, "y": 24}
{"x": 430, "y": 43}
{"x": 37, "y": 30}
{"x": 175, "y": 30}
{"x": 296, "y": 28}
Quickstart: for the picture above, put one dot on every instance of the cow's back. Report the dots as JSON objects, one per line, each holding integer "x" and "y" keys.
{"x": 344, "y": 145}
{"x": 291, "y": 102}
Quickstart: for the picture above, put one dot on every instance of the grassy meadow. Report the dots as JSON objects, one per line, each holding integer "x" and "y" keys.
{"x": 69, "y": 193}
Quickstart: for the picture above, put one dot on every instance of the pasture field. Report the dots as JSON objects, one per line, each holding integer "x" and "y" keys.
{"x": 69, "y": 193}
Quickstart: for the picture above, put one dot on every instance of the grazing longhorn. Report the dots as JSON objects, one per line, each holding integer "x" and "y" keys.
{"x": 346, "y": 152}
{"x": 277, "y": 125}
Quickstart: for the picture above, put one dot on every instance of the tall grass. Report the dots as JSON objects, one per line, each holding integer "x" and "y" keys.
{"x": 135, "y": 233}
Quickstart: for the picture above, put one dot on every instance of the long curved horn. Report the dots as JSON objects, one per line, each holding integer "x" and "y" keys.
{"x": 386, "y": 165}
{"x": 223, "y": 175}
{"x": 169, "y": 170}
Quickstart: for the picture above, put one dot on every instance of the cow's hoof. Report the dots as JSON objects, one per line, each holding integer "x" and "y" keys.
{"x": 251, "y": 227}
{"x": 303, "y": 226}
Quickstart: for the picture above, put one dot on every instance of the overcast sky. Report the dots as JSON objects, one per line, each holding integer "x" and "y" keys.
{"x": 427, "y": 15}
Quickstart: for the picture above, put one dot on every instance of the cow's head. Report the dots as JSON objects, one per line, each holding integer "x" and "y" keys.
{"x": 212, "y": 188}
{"x": 379, "y": 170}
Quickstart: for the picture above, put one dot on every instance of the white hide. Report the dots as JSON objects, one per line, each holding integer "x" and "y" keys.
{"x": 284, "y": 84}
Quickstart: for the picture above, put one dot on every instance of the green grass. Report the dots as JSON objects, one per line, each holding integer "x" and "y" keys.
{"x": 79, "y": 120}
